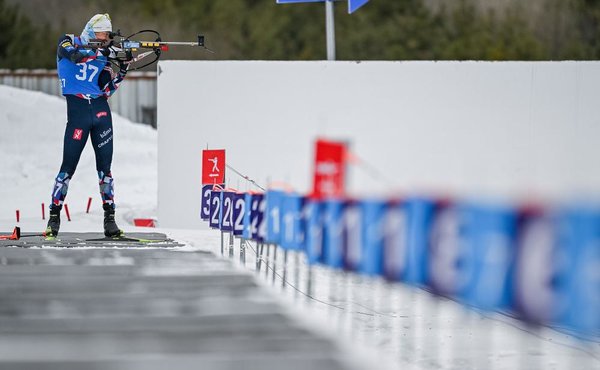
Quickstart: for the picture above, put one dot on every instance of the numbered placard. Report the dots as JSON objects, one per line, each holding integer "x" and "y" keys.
{"x": 352, "y": 231}
{"x": 395, "y": 241}
{"x": 373, "y": 227}
{"x": 274, "y": 199}
{"x": 239, "y": 211}
{"x": 535, "y": 294}
{"x": 293, "y": 224}
{"x": 578, "y": 262}
{"x": 215, "y": 209}
{"x": 205, "y": 202}
{"x": 333, "y": 239}
{"x": 254, "y": 226}
{"x": 406, "y": 244}
{"x": 446, "y": 251}
{"x": 227, "y": 204}
{"x": 489, "y": 242}
{"x": 313, "y": 211}
{"x": 247, "y": 230}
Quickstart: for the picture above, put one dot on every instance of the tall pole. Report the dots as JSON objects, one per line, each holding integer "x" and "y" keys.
{"x": 330, "y": 26}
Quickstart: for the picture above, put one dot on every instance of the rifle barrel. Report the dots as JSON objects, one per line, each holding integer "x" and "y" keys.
{"x": 182, "y": 43}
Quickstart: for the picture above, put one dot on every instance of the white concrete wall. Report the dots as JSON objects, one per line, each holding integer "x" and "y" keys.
{"x": 515, "y": 129}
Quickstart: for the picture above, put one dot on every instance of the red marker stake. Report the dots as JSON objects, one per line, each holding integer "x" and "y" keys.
{"x": 67, "y": 211}
{"x": 43, "y": 211}
{"x": 18, "y": 216}
{"x": 89, "y": 204}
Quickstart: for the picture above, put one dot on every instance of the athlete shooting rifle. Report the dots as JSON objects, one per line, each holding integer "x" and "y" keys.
{"x": 123, "y": 49}
{"x": 87, "y": 81}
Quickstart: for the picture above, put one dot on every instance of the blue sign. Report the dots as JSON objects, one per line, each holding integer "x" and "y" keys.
{"x": 445, "y": 251}
{"x": 254, "y": 225}
{"x": 205, "y": 203}
{"x": 489, "y": 244}
{"x": 372, "y": 251}
{"x": 239, "y": 211}
{"x": 579, "y": 282}
{"x": 273, "y": 215}
{"x": 407, "y": 230}
{"x": 215, "y": 209}
{"x": 313, "y": 211}
{"x": 227, "y": 211}
{"x": 352, "y": 235}
{"x": 333, "y": 237}
{"x": 298, "y": 1}
{"x": 353, "y": 5}
{"x": 395, "y": 242}
{"x": 293, "y": 225}
{"x": 536, "y": 270}
{"x": 247, "y": 231}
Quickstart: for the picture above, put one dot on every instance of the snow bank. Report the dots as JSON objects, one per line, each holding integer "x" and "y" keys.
{"x": 31, "y": 143}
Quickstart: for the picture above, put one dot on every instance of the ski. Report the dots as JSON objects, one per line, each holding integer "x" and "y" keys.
{"x": 123, "y": 238}
{"x": 70, "y": 239}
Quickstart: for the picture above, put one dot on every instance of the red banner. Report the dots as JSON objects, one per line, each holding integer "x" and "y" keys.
{"x": 330, "y": 169}
{"x": 213, "y": 166}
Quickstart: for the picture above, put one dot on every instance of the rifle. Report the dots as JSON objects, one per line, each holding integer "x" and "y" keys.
{"x": 130, "y": 51}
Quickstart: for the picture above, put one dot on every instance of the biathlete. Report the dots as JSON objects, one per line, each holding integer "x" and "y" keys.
{"x": 87, "y": 81}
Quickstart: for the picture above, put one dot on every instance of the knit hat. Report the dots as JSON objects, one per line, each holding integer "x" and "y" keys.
{"x": 98, "y": 23}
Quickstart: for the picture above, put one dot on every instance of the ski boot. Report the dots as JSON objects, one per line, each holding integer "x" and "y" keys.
{"x": 53, "y": 221}
{"x": 110, "y": 226}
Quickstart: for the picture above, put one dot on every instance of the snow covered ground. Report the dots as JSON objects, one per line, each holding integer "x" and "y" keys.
{"x": 406, "y": 327}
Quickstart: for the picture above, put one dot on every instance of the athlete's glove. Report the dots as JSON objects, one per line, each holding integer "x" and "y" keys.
{"x": 110, "y": 52}
{"x": 123, "y": 67}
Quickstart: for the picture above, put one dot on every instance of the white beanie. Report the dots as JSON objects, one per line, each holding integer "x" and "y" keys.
{"x": 98, "y": 23}
{"x": 101, "y": 23}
